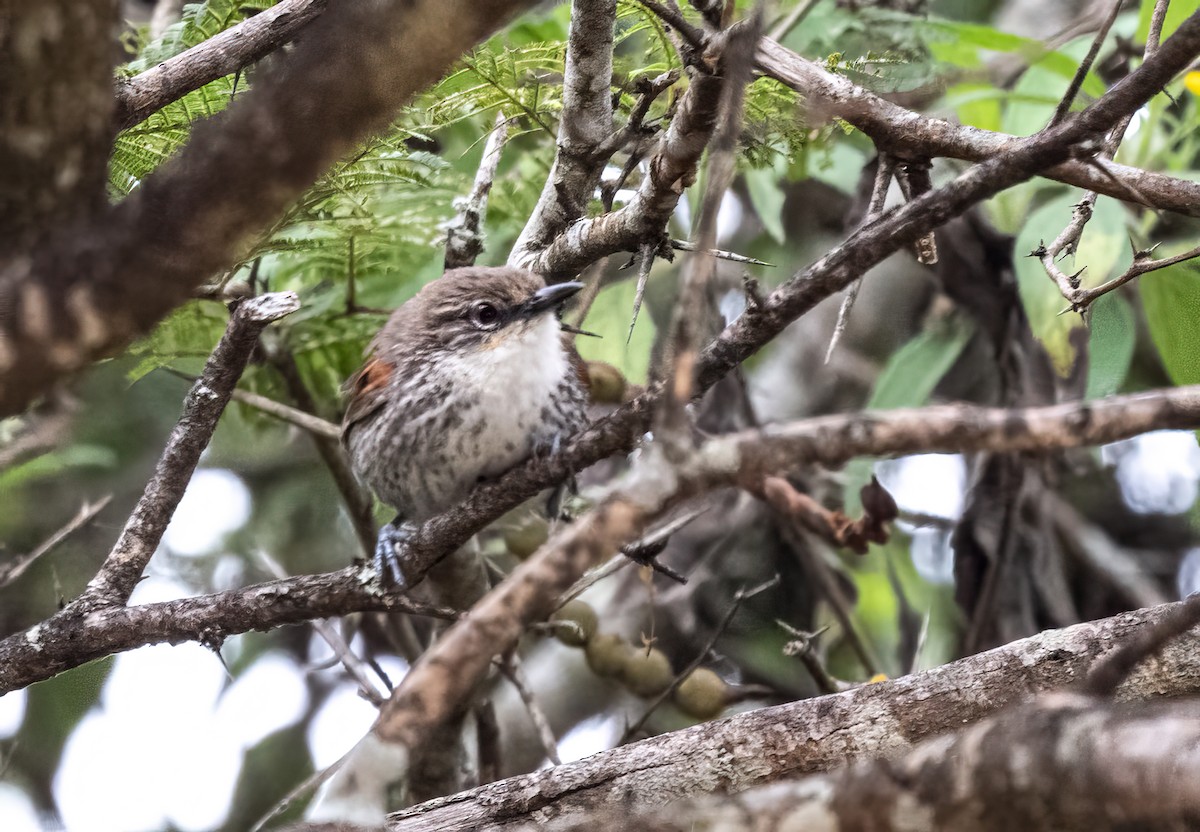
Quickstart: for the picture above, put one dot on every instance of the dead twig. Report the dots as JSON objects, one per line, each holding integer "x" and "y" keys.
{"x": 12, "y": 570}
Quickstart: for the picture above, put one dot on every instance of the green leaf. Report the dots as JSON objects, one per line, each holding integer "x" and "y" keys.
{"x": 1100, "y": 249}
{"x": 915, "y": 369}
{"x": 1110, "y": 345}
{"x": 908, "y": 380}
{"x": 1171, "y": 301}
{"x": 609, "y": 318}
{"x": 1177, "y": 12}
{"x": 767, "y": 198}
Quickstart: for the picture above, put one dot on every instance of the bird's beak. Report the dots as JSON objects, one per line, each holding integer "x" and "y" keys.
{"x": 551, "y": 297}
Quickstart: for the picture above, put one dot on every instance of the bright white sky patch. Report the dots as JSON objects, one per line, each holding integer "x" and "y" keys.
{"x": 216, "y": 503}
{"x": 17, "y": 812}
{"x": 933, "y": 484}
{"x": 12, "y": 711}
{"x": 342, "y": 721}
{"x": 588, "y": 737}
{"x": 1188, "y": 578}
{"x": 165, "y": 745}
{"x": 1158, "y": 471}
{"x": 269, "y": 696}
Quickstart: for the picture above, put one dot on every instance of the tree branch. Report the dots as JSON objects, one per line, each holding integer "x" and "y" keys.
{"x": 74, "y": 637}
{"x": 68, "y": 639}
{"x": 894, "y": 128}
{"x": 587, "y": 121}
{"x": 1041, "y": 766}
{"x": 464, "y": 234}
{"x": 223, "y": 54}
{"x": 814, "y": 735}
{"x": 84, "y": 291}
{"x": 203, "y": 406}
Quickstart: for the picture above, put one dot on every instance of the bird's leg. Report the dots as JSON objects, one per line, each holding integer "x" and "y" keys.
{"x": 555, "y": 503}
{"x": 387, "y": 564}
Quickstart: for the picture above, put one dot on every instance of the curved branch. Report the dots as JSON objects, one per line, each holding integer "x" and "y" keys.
{"x": 587, "y": 121}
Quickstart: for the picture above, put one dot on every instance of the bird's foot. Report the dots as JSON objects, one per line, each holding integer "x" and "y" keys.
{"x": 387, "y": 563}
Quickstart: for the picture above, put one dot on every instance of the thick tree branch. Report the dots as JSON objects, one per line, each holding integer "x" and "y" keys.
{"x": 235, "y": 48}
{"x": 56, "y": 62}
{"x": 814, "y": 735}
{"x": 85, "y": 291}
{"x": 203, "y": 406}
{"x": 1042, "y": 766}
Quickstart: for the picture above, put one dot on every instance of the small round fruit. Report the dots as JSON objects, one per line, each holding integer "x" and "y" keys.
{"x": 583, "y": 616}
{"x": 702, "y": 694}
{"x": 647, "y": 674}
{"x": 607, "y": 654}
{"x": 527, "y": 536}
{"x": 605, "y": 382}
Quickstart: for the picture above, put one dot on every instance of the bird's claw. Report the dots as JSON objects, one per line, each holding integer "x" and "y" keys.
{"x": 387, "y": 563}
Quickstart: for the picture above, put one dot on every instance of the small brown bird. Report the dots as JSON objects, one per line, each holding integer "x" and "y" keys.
{"x": 466, "y": 379}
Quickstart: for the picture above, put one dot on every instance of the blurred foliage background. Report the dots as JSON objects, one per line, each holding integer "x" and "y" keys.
{"x": 983, "y": 325}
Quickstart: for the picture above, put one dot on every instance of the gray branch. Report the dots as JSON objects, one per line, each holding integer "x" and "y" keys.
{"x": 202, "y": 408}
{"x": 587, "y": 121}
{"x": 221, "y": 55}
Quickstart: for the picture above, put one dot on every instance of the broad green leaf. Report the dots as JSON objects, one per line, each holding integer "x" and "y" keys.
{"x": 609, "y": 318}
{"x": 1177, "y": 12}
{"x": 1100, "y": 249}
{"x": 1111, "y": 337}
{"x": 908, "y": 380}
{"x": 1171, "y": 300}
{"x": 915, "y": 369}
{"x": 767, "y": 198}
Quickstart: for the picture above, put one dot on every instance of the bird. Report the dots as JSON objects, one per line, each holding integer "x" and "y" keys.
{"x": 469, "y": 377}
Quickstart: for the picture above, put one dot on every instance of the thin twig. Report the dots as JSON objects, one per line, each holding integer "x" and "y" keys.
{"x": 285, "y": 413}
{"x": 720, "y": 254}
{"x": 1085, "y": 66}
{"x": 792, "y": 19}
{"x": 645, "y": 262}
{"x": 884, "y": 170}
{"x": 515, "y": 673}
{"x": 1068, "y": 240}
{"x": 1143, "y": 263}
{"x": 694, "y": 307}
{"x": 12, "y": 570}
{"x": 803, "y": 647}
{"x": 355, "y": 666}
{"x": 464, "y": 234}
{"x": 723, "y": 625}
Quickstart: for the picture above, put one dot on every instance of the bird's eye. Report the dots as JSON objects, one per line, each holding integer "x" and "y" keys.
{"x": 485, "y": 315}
